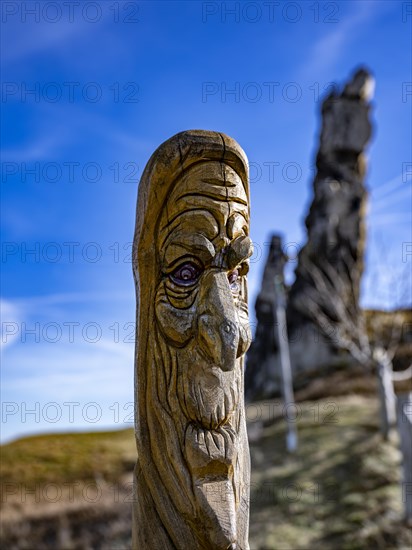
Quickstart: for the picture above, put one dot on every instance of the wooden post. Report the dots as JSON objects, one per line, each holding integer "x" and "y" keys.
{"x": 386, "y": 392}
{"x": 190, "y": 260}
{"x": 286, "y": 369}
{"x": 404, "y": 413}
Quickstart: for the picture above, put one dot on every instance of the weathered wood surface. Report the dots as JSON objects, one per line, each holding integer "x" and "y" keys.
{"x": 191, "y": 250}
{"x": 404, "y": 406}
{"x": 387, "y": 396}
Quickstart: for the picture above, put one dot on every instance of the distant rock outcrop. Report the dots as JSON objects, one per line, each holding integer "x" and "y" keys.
{"x": 335, "y": 236}
{"x": 263, "y": 353}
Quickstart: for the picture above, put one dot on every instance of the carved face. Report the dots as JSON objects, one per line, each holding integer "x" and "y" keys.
{"x": 192, "y": 249}
{"x": 201, "y": 301}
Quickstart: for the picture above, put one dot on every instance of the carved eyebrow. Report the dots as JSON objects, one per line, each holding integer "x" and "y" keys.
{"x": 236, "y": 225}
{"x": 219, "y": 183}
{"x": 184, "y": 245}
{"x": 171, "y": 220}
{"x": 220, "y": 198}
{"x": 239, "y": 251}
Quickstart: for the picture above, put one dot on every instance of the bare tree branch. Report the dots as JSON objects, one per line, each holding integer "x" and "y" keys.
{"x": 400, "y": 376}
{"x": 326, "y": 306}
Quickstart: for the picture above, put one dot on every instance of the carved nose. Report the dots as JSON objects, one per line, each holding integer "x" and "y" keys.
{"x": 218, "y": 340}
{"x": 218, "y": 329}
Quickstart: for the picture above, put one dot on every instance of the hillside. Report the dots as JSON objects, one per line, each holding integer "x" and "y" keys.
{"x": 340, "y": 490}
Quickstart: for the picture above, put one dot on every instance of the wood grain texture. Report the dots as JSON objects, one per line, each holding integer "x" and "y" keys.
{"x": 190, "y": 260}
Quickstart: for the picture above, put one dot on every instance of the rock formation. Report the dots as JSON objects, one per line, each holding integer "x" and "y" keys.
{"x": 263, "y": 353}
{"x": 335, "y": 232}
{"x": 191, "y": 251}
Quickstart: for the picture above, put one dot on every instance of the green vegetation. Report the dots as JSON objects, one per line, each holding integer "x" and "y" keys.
{"x": 68, "y": 457}
{"x": 340, "y": 490}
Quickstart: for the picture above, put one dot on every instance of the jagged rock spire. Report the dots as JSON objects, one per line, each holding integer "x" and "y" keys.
{"x": 335, "y": 235}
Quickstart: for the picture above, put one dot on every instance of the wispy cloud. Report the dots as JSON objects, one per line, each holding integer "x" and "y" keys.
{"x": 401, "y": 195}
{"x": 390, "y": 219}
{"x": 387, "y": 194}
{"x": 9, "y": 310}
{"x": 46, "y": 361}
{"x": 55, "y": 307}
{"x": 329, "y": 48}
{"x": 41, "y": 149}
{"x": 27, "y": 40}
{"x": 93, "y": 381}
{"x": 382, "y": 190}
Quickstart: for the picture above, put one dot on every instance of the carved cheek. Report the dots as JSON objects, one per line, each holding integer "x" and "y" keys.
{"x": 175, "y": 317}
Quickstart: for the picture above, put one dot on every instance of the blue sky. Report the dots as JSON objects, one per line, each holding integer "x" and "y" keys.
{"x": 88, "y": 93}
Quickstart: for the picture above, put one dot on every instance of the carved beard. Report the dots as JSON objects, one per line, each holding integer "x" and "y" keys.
{"x": 209, "y": 399}
{"x": 209, "y": 395}
{"x": 198, "y": 430}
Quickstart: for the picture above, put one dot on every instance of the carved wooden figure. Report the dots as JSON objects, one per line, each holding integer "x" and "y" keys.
{"x": 191, "y": 250}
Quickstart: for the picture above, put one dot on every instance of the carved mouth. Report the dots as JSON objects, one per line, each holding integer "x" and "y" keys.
{"x": 219, "y": 444}
{"x": 210, "y": 407}
{"x": 208, "y": 397}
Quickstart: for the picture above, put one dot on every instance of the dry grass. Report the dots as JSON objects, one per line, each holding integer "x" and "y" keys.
{"x": 69, "y": 457}
{"x": 340, "y": 490}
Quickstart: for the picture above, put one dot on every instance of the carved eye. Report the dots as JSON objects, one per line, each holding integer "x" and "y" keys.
{"x": 233, "y": 278}
{"x": 186, "y": 274}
